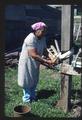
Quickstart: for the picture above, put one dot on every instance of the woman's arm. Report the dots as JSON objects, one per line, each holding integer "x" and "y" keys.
{"x": 34, "y": 54}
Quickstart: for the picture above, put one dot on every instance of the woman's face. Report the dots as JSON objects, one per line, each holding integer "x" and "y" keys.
{"x": 41, "y": 32}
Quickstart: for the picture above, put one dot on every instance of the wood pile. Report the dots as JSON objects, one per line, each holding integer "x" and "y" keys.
{"x": 11, "y": 59}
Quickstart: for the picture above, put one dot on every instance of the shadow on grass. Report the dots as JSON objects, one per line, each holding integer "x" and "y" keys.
{"x": 36, "y": 117}
{"x": 76, "y": 101}
{"x": 44, "y": 94}
{"x": 78, "y": 92}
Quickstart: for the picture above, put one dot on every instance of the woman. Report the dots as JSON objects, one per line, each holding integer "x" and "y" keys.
{"x": 29, "y": 61}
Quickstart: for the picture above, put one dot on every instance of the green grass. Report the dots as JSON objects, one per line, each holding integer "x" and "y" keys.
{"x": 48, "y": 91}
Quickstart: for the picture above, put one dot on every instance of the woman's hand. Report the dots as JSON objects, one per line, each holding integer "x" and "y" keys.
{"x": 50, "y": 62}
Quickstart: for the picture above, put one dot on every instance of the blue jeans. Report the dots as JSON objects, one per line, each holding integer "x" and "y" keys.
{"x": 28, "y": 94}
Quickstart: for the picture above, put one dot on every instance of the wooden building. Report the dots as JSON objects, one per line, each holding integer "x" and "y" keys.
{"x": 18, "y": 19}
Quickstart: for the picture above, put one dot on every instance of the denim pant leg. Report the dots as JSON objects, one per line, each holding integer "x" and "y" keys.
{"x": 26, "y": 95}
{"x": 32, "y": 93}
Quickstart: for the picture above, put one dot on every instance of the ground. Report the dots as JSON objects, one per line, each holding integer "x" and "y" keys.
{"x": 48, "y": 92}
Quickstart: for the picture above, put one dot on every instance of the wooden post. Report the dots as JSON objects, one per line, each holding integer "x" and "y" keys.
{"x": 66, "y": 44}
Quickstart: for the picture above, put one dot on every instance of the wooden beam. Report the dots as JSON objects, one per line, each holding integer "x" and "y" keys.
{"x": 66, "y": 44}
{"x": 66, "y": 27}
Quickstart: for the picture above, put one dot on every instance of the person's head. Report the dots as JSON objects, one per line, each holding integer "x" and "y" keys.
{"x": 39, "y": 29}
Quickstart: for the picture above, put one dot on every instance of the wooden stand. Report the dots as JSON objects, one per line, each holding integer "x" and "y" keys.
{"x": 66, "y": 80}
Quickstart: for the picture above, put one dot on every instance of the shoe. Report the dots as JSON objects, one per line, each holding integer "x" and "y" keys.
{"x": 25, "y": 100}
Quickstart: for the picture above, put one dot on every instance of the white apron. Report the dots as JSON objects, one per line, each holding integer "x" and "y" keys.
{"x": 28, "y": 68}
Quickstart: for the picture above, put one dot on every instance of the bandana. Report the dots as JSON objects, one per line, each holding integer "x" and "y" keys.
{"x": 38, "y": 25}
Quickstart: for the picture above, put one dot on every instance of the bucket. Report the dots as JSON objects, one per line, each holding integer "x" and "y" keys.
{"x": 21, "y": 111}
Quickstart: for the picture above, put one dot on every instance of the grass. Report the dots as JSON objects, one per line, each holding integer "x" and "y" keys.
{"x": 48, "y": 92}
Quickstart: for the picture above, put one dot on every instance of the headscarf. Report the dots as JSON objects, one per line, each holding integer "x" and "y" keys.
{"x": 38, "y": 25}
